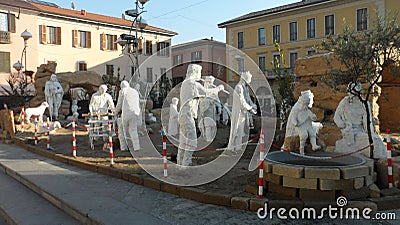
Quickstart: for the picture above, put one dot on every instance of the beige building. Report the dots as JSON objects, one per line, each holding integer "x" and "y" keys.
{"x": 76, "y": 40}
{"x": 208, "y": 53}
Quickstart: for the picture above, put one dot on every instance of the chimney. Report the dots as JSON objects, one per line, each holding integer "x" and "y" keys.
{"x": 83, "y": 12}
{"x": 123, "y": 16}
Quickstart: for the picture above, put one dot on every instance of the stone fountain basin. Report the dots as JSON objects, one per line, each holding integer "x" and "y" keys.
{"x": 294, "y": 160}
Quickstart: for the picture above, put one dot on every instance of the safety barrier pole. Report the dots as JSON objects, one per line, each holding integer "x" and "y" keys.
{"x": 36, "y": 130}
{"x": 261, "y": 168}
{"x": 389, "y": 157}
{"x": 110, "y": 142}
{"x": 164, "y": 153}
{"x": 48, "y": 133}
{"x": 73, "y": 139}
{"x": 23, "y": 119}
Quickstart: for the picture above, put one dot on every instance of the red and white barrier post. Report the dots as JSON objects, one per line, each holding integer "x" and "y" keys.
{"x": 36, "y": 130}
{"x": 48, "y": 133}
{"x": 164, "y": 153}
{"x": 261, "y": 168}
{"x": 389, "y": 157}
{"x": 110, "y": 142}
{"x": 23, "y": 119}
{"x": 73, "y": 139}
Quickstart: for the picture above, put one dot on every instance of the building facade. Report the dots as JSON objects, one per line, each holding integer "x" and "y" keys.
{"x": 76, "y": 40}
{"x": 208, "y": 53}
{"x": 298, "y": 28}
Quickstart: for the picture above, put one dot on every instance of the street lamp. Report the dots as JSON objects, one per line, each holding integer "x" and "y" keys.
{"x": 25, "y": 35}
{"x": 130, "y": 41}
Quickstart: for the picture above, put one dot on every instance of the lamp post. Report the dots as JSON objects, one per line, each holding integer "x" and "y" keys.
{"x": 25, "y": 35}
{"x": 130, "y": 41}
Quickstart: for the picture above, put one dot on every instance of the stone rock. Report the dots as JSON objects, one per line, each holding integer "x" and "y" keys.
{"x": 316, "y": 65}
{"x": 374, "y": 191}
{"x": 390, "y": 191}
{"x": 388, "y": 112}
{"x": 320, "y": 113}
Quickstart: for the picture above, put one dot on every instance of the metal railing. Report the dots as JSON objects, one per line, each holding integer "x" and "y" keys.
{"x": 5, "y": 37}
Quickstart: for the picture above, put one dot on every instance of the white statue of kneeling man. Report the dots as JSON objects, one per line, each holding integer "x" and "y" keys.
{"x": 300, "y": 123}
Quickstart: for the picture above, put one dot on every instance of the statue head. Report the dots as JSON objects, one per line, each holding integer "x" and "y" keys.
{"x": 103, "y": 89}
{"x": 53, "y": 77}
{"x": 354, "y": 88}
{"x": 74, "y": 102}
{"x": 125, "y": 84}
{"x": 175, "y": 101}
{"x": 307, "y": 97}
{"x": 194, "y": 71}
{"x": 246, "y": 76}
{"x": 209, "y": 81}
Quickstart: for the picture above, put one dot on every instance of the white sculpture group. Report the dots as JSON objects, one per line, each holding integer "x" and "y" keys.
{"x": 54, "y": 93}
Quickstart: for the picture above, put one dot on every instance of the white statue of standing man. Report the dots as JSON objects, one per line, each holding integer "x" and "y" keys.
{"x": 128, "y": 103}
{"x": 191, "y": 91}
{"x": 54, "y": 93}
{"x": 300, "y": 123}
{"x": 241, "y": 106}
{"x": 173, "y": 127}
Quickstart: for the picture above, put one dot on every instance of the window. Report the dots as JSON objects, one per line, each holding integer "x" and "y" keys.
{"x": 329, "y": 25}
{"x": 292, "y": 58}
{"x": 5, "y": 62}
{"x": 149, "y": 75}
{"x": 293, "y": 31}
{"x": 149, "y": 47}
{"x": 240, "y": 40}
{"x": 261, "y": 36}
{"x": 196, "y": 56}
{"x": 261, "y": 63}
{"x": 177, "y": 60}
{"x": 50, "y": 35}
{"x": 311, "y": 52}
{"x": 81, "y": 38}
{"x": 163, "y": 71}
{"x": 109, "y": 42}
{"x": 362, "y": 19}
{"x": 82, "y": 66}
{"x": 276, "y": 33}
{"x": 7, "y": 22}
{"x": 110, "y": 70}
{"x": 276, "y": 60}
{"x": 311, "y": 28}
{"x": 163, "y": 48}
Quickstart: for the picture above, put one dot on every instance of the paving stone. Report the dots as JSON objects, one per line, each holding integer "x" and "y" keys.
{"x": 322, "y": 173}
{"x": 351, "y": 194}
{"x": 276, "y": 188}
{"x": 192, "y": 193}
{"x": 268, "y": 167}
{"x": 300, "y": 183}
{"x": 361, "y": 205}
{"x": 109, "y": 171}
{"x": 317, "y": 195}
{"x": 252, "y": 189}
{"x": 217, "y": 198}
{"x": 255, "y": 204}
{"x": 358, "y": 182}
{"x": 240, "y": 203}
{"x": 287, "y": 204}
{"x": 387, "y": 202}
{"x": 327, "y": 185}
{"x": 390, "y": 191}
{"x": 353, "y": 172}
{"x": 288, "y": 171}
{"x": 169, "y": 188}
{"x": 152, "y": 183}
{"x": 374, "y": 191}
{"x": 276, "y": 179}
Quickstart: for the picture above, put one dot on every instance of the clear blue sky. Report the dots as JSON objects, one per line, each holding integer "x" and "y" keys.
{"x": 192, "y": 19}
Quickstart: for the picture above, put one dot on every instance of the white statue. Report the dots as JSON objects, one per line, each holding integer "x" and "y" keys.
{"x": 53, "y": 92}
{"x": 300, "y": 122}
{"x": 128, "y": 103}
{"x": 351, "y": 118}
{"x": 173, "y": 117}
{"x": 226, "y": 113}
{"x": 74, "y": 109}
{"x": 241, "y": 105}
{"x": 101, "y": 102}
{"x": 209, "y": 110}
{"x": 191, "y": 91}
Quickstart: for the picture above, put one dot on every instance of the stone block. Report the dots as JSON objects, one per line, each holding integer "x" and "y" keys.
{"x": 268, "y": 167}
{"x": 327, "y": 185}
{"x": 255, "y": 204}
{"x": 316, "y": 195}
{"x": 353, "y": 172}
{"x": 109, "y": 171}
{"x": 252, "y": 189}
{"x": 387, "y": 202}
{"x": 83, "y": 165}
{"x": 169, "y": 188}
{"x": 322, "y": 173}
{"x": 240, "y": 203}
{"x": 360, "y": 205}
{"x": 368, "y": 180}
{"x": 270, "y": 177}
{"x": 382, "y": 173}
{"x": 351, "y": 194}
{"x": 195, "y": 194}
{"x": 300, "y": 183}
{"x": 374, "y": 191}
{"x": 152, "y": 183}
{"x": 390, "y": 191}
{"x": 287, "y": 191}
{"x": 287, "y": 204}
{"x": 217, "y": 198}
{"x": 288, "y": 171}
{"x": 358, "y": 182}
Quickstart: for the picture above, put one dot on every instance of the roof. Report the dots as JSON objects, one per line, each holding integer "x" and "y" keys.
{"x": 199, "y": 42}
{"x": 53, "y": 9}
{"x": 270, "y": 11}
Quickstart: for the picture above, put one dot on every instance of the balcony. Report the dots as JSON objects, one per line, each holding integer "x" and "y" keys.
{"x": 5, "y": 37}
{"x": 271, "y": 74}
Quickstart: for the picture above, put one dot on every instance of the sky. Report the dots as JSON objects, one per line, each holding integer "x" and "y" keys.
{"x": 191, "y": 19}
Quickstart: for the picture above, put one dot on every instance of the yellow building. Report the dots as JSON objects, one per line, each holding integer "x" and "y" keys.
{"x": 298, "y": 27}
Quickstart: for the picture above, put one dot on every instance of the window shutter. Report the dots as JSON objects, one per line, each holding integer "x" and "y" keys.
{"x": 11, "y": 22}
{"x": 75, "y": 38}
{"x": 103, "y": 41}
{"x": 58, "y": 37}
{"x": 140, "y": 47}
{"x": 115, "y": 42}
{"x": 42, "y": 29}
{"x": 89, "y": 39}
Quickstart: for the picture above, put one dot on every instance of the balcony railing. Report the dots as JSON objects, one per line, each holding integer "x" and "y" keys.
{"x": 271, "y": 74}
{"x": 5, "y": 37}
